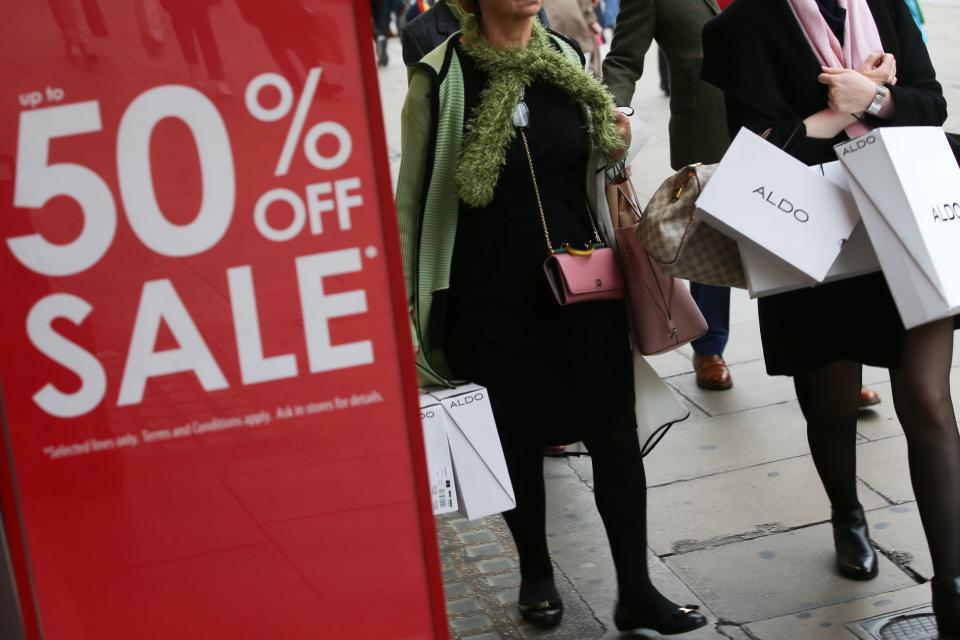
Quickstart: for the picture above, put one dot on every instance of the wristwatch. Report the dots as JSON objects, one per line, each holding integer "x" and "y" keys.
{"x": 878, "y": 98}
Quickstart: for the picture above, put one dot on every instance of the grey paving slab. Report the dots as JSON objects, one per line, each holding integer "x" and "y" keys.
{"x": 739, "y": 505}
{"x": 481, "y": 589}
{"x": 882, "y": 464}
{"x": 742, "y": 308}
{"x": 829, "y": 623}
{"x": 897, "y": 530}
{"x": 706, "y": 447}
{"x": 752, "y": 388}
{"x": 579, "y": 548}
{"x": 777, "y": 575}
{"x": 744, "y": 343}
{"x": 880, "y": 421}
{"x": 696, "y": 413}
{"x": 875, "y": 375}
{"x": 671, "y": 364}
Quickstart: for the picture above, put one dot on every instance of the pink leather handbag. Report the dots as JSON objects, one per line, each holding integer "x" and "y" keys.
{"x": 577, "y": 275}
{"x": 582, "y": 278}
{"x": 663, "y": 314}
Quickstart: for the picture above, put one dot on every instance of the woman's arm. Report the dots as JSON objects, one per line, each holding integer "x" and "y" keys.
{"x": 803, "y": 138}
{"x": 917, "y": 94}
{"x": 827, "y": 124}
{"x": 415, "y": 126}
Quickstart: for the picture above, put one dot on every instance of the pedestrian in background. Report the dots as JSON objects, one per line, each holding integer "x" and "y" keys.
{"x": 577, "y": 19}
{"x": 812, "y": 74}
{"x": 428, "y": 30}
{"x": 698, "y": 130}
{"x": 381, "y": 28}
{"x": 473, "y": 227}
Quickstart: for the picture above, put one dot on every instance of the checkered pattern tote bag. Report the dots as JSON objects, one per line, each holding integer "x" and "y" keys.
{"x": 682, "y": 245}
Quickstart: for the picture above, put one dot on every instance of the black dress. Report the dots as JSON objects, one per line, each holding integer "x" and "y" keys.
{"x": 756, "y": 53}
{"x": 556, "y": 374}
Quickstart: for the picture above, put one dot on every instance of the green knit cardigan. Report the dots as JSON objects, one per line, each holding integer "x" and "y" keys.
{"x": 432, "y": 128}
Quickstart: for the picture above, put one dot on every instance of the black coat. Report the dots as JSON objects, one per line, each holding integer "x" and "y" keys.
{"x": 424, "y": 33}
{"x": 755, "y": 51}
{"x": 757, "y": 54}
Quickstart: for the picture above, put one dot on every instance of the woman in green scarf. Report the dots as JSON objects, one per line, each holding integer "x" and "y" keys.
{"x": 481, "y": 308}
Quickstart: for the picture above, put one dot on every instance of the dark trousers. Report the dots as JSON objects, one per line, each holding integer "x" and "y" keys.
{"x": 714, "y": 303}
{"x": 381, "y": 17}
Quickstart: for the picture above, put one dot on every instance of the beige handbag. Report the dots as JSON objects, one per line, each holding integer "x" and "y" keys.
{"x": 682, "y": 245}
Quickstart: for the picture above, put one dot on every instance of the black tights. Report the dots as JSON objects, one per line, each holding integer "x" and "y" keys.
{"x": 620, "y": 490}
{"x": 921, "y": 396}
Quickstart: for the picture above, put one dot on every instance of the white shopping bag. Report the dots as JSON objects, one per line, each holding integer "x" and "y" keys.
{"x": 762, "y": 196}
{"x": 443, "y": 491}
{"x": 857, "y": 257}
{"x": 907, "y": 185}
{"x": 482, "y": 480}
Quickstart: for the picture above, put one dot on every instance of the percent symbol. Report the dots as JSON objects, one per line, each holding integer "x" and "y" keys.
{"x": 282, "y": 109}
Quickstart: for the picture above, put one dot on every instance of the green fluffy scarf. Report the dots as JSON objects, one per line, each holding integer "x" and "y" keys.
{"x": 490, "y": 130}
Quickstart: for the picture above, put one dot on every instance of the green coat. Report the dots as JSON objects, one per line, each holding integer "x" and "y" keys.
{"x": 428, "y": 206}
{"x": 698, "y": 124}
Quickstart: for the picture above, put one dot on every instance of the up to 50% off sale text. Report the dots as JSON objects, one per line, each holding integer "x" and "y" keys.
{"x": 38, "y": 181}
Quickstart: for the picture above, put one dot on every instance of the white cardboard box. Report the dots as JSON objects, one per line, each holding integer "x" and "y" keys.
{"x": 857, "y": 257}
{"x": 762, "y": 196}
{"x": 907, "y": 186}
{"x": 482, "y": 480}
{"x": 443, "y": 490}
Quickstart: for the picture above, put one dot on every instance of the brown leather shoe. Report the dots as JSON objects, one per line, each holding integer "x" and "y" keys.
{"x": 712, "y": 372}
{"x": 868, "y": 398}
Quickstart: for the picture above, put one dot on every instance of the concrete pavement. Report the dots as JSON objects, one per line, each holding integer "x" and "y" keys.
{"x": 738, "y": 520}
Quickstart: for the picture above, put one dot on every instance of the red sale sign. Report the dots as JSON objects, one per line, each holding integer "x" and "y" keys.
{"x": 210, "y": 408}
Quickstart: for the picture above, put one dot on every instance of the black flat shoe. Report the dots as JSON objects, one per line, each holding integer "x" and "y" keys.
{"x": 856, "y": 557}
{"x": 946, "y": 607}
{"x": 681, "y": 620}
{"x": 544, "y": 614}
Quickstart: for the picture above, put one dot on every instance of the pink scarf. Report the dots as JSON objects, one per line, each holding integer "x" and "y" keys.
{"x": 860, "y": 39}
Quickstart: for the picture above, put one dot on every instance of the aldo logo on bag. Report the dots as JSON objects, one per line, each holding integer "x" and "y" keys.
{"x": 463, "y": 401}
{"x": 784, "y": 205}
{"x": 857, "y": 145}
{"x": 946, "y": 212}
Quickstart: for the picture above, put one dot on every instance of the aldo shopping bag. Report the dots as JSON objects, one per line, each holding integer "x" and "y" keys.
{"x": 480, "y": 470}
{"x": 907, "y": 186}
{"x": 857, "y": 257}
{"x": 763, "y": 197}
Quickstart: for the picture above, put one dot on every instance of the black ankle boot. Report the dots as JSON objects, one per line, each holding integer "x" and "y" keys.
{"x": 946, "y": 607}
{"x": 680, "y": 620}
{"x": 856, "y": 557}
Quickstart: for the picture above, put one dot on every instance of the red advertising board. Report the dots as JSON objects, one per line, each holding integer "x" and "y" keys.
{"x": 209, "y": 405}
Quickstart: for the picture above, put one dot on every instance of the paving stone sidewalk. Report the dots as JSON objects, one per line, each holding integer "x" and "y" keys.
{"x": 738, "y": 521}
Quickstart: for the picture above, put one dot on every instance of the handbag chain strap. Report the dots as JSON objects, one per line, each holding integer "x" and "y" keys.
{"x": 536, "y": 191}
